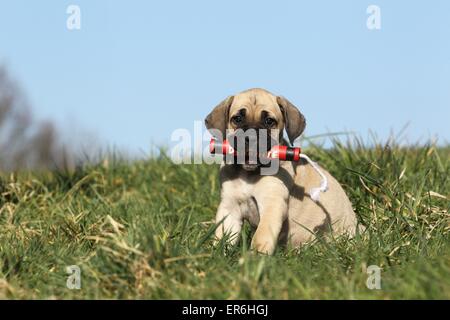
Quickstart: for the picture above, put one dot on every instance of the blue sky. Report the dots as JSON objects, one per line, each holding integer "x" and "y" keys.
{"x": 137, "y": 70}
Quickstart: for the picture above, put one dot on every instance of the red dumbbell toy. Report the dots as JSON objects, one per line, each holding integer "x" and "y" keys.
{"x": 284, "y": 153}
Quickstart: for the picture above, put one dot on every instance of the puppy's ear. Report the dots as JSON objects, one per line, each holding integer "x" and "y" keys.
{"x": 218, "y": 118}
{"x": 294, "y": 121}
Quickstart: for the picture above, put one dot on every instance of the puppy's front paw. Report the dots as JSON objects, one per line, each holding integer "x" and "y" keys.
{"x": 262, "y": 246}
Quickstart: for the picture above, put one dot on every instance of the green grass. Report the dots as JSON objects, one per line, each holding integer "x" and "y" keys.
{"x": 144, "y": 230}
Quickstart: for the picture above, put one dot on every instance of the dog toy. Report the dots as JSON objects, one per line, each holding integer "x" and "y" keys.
{"x": 284, "y": 153}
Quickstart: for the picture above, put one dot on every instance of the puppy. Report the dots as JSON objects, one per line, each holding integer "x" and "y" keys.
{"x": 279, "y": 205}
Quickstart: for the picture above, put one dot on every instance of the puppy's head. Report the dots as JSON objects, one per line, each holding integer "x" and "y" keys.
{"x": 256, "y": 109}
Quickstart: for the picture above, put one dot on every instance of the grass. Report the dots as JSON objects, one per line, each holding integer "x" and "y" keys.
{"x": 144, "y": 230}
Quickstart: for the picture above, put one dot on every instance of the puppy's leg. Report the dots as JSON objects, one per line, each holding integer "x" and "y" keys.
{"x": 273, "y": 212}
{"x": 230, "y": 219}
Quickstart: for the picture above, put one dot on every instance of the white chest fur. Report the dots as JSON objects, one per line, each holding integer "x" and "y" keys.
{"x": 241, "y": 192}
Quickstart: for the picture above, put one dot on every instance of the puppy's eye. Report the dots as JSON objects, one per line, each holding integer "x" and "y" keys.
{"x": 237, "y": 119}
{"x": 269, "y": 122}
